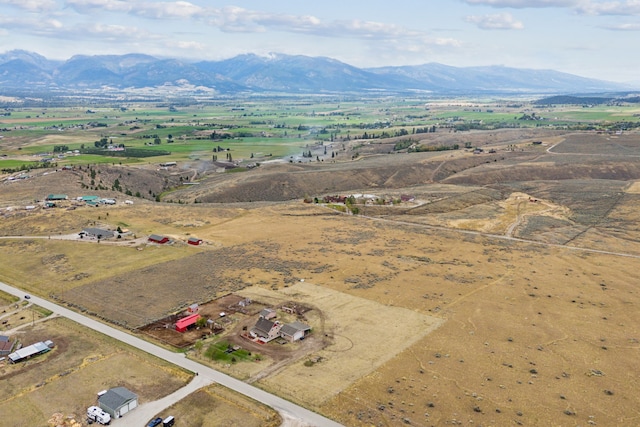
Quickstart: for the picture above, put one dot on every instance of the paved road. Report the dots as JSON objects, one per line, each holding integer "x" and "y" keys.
{"x": 292, "y": 413}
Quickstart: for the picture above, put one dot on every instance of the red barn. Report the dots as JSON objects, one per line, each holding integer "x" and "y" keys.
{"x": 158, "y": 239}
{"x": 185, "y": 322}
{"x": 194, "y": 241}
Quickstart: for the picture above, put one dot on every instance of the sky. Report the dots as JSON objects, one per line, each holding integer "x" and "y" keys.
{"x": 590, "y": 38}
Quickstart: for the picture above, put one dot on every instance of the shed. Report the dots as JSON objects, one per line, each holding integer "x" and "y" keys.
{"x": 193, "y": 308}
{"x": 29, "y": 351}
{"x": 54, "y": 197}
{"x": 158, "y": 239}
{"x": 185, "y": 322}
{"x": 194, "y": 241}
{"x": 268, "y": 313}
{"x": 118, "y": 401}
{"x": 294, "y": 331}
{"x": 89, "y": 198}
{"x": 5, "y": 345}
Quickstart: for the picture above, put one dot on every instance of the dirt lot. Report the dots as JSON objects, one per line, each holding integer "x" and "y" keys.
{"x": 164, "y": 330}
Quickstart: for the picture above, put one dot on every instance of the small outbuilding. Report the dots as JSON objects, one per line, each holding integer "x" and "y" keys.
{"x": 268, "y": 313}
{"x": 118, "y": 401}
{"x": 30, "y": 351}
{"x": 155, "y": 238}
{"x": 6, "y": 345}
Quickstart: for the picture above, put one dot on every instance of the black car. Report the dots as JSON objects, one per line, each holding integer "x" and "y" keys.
{"x": 27, "y": 297}
{"x": 155, "y": 422}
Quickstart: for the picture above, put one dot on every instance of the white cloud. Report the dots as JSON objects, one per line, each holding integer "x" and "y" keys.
{"x": 622, "y": 8}
{"x": 179, "y": 9}
{"x": 89, "y": 6}
{"x": 501, "y": 21}
{"x": 31, "y": 5}
{"x": 623, "y": 27}
{"x": 586, "y": 7}
{"x": 523, "y": 4}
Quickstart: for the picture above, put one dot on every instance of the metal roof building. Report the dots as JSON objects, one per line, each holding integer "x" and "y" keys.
{"x": 294, "y": 331}
{"x": 29, "y": 351}
{"x": 185, "y": 322}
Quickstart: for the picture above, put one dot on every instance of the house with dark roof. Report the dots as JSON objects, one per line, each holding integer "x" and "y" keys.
{"x": 294, "y": 331}
{"x": 266, "y": 330}
{"x": 97, "y": 233}
{"x": 118, "y": 401}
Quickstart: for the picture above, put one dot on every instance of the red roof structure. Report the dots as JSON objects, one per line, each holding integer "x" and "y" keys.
{"x": 194, "y": 241}
{"x": 185, "y": 322}
{"x": 158, "y": 239}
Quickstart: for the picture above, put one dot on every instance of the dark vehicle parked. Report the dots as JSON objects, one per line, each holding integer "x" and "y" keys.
{"x": 155, "y": 422}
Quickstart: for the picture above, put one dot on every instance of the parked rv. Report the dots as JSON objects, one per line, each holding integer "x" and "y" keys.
{"x": 98, "y": 415}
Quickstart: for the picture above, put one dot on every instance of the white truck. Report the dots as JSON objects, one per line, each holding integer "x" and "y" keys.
{"x": 98, "y": 415}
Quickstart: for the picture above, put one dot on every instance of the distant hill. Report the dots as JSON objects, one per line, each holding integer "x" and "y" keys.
{"x": 21, "y": 70}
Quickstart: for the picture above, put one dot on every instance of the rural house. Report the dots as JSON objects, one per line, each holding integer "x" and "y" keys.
{"x": 154, "y": 238}
{"x": 266, "y": 330}
{"x": 96, "y": 233}
{"x": 56, "y": 197}
{"x": 117, "y": 401}
{"x": 294, "y": 331}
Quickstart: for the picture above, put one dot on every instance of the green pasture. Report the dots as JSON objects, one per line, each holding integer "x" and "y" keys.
{"x": 15, "y": 164}
{"x": 279, "y": 127}
{"x": 221, "y": 352}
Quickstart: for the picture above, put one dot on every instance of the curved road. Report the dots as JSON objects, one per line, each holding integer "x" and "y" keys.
{"x": 290, "y": 412}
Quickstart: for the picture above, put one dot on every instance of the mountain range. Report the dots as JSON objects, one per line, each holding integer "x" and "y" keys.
{"x": 278, "y": 73}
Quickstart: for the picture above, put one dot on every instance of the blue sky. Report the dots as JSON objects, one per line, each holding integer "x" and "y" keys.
{"x": 591, "y": 38}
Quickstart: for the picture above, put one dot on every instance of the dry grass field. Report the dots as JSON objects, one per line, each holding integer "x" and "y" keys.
{"x": 503, "y": 294}
{"x": 361, "y": 335}
{"x": 216, "y": 406}
{"x": 66, "y": 379}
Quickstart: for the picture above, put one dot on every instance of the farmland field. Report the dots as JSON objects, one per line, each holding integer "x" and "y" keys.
{"x": 489, "y": 284}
